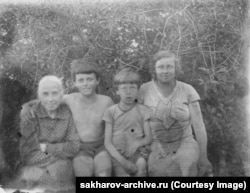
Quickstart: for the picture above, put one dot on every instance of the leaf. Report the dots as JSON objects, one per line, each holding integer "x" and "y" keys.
{"x": 214, "y": 82}
{"x": 201, "y": 81}
{"x": 222, "y": 70}
{"x": 204, "y": 70}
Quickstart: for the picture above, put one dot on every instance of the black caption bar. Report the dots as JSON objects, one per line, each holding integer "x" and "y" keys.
{"x": 163, "y": 184}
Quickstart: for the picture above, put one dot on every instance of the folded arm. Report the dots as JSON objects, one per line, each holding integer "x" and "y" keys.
{"x": 30, "y": 151}
{"x": 69, "y": 147}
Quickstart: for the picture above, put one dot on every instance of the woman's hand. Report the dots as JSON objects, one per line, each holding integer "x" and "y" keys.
{"x": 205, "y": 168}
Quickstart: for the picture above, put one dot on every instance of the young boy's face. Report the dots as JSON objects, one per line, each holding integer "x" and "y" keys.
{"x": 128, "y": 92}
{"x": 86, "y": 83}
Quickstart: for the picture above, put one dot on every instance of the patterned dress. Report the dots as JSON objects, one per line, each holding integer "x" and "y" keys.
{"x": 174, "y": 150}
{"x": 62, "y": 141}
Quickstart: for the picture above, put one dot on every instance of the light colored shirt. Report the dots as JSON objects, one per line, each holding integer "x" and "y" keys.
{"x": 170, "y": 116}
{"x": 127, "y": 125}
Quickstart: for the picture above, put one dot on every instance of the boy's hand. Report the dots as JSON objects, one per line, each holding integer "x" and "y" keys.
{"x": 130, "y": 167}
{"x": 27, "y": 112}
{"x": 132, "y": 149}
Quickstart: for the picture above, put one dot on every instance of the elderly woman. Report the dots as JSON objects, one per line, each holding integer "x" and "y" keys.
{"x": 175, "y": 110}
{"x": 50, "y": 140}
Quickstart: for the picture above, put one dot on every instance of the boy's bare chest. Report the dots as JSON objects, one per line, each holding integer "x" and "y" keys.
{"x": 86, "y": 113}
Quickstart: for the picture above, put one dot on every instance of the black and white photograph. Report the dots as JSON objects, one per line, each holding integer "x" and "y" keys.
{"x": 122, "y": 88}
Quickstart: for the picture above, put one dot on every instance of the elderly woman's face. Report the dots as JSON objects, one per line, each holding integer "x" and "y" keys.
{"x": 165, "y": 70}
{"x": 50, "y": 95}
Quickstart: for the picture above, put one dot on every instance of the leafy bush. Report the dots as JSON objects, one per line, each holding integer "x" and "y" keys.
{"x": 208, "y": 36}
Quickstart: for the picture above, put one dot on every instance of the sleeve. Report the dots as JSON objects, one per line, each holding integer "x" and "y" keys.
{"x": 141, "y": 94}
{"x": 193, "y": 96}
{"x": 145, "y": 113}
{"x": 70, "y": 147}
{"x": 29, "y": 147}
{"x": 107, "y": 117}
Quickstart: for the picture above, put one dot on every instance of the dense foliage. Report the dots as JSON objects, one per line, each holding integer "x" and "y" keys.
{"x": 208, "y": 36}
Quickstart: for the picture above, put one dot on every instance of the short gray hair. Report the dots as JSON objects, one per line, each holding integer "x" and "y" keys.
{"x": 50, "y": 78}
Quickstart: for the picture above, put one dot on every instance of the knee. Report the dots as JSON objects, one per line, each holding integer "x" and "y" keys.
{"x": 83, "y": 166}
{"x": 31, "y": 173}
{"x": 119, "y": 171}
{"x": 103, "y": 156}
{"x": 65, "y": 168}
{"x": 142, "y": 167}
{"x": 104, "y": 171}
{"x": 103, "y": 174}
{"x": 103, "y": 165}
{"x": 76, "y": 161}
{"x": 141, "y": 163}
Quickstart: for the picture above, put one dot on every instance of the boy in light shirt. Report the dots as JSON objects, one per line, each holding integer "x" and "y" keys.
{"x": 127, "y": 131}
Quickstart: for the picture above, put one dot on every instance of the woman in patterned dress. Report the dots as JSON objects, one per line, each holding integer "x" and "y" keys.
{"x": 175, "y": 110}
{"x": 50, "y": 140}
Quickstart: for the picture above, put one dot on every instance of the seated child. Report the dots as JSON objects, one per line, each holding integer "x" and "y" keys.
{"x": 127, "y": 131}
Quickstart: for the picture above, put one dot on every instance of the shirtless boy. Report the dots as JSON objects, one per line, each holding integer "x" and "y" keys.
{"x": 88, "y": 108}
